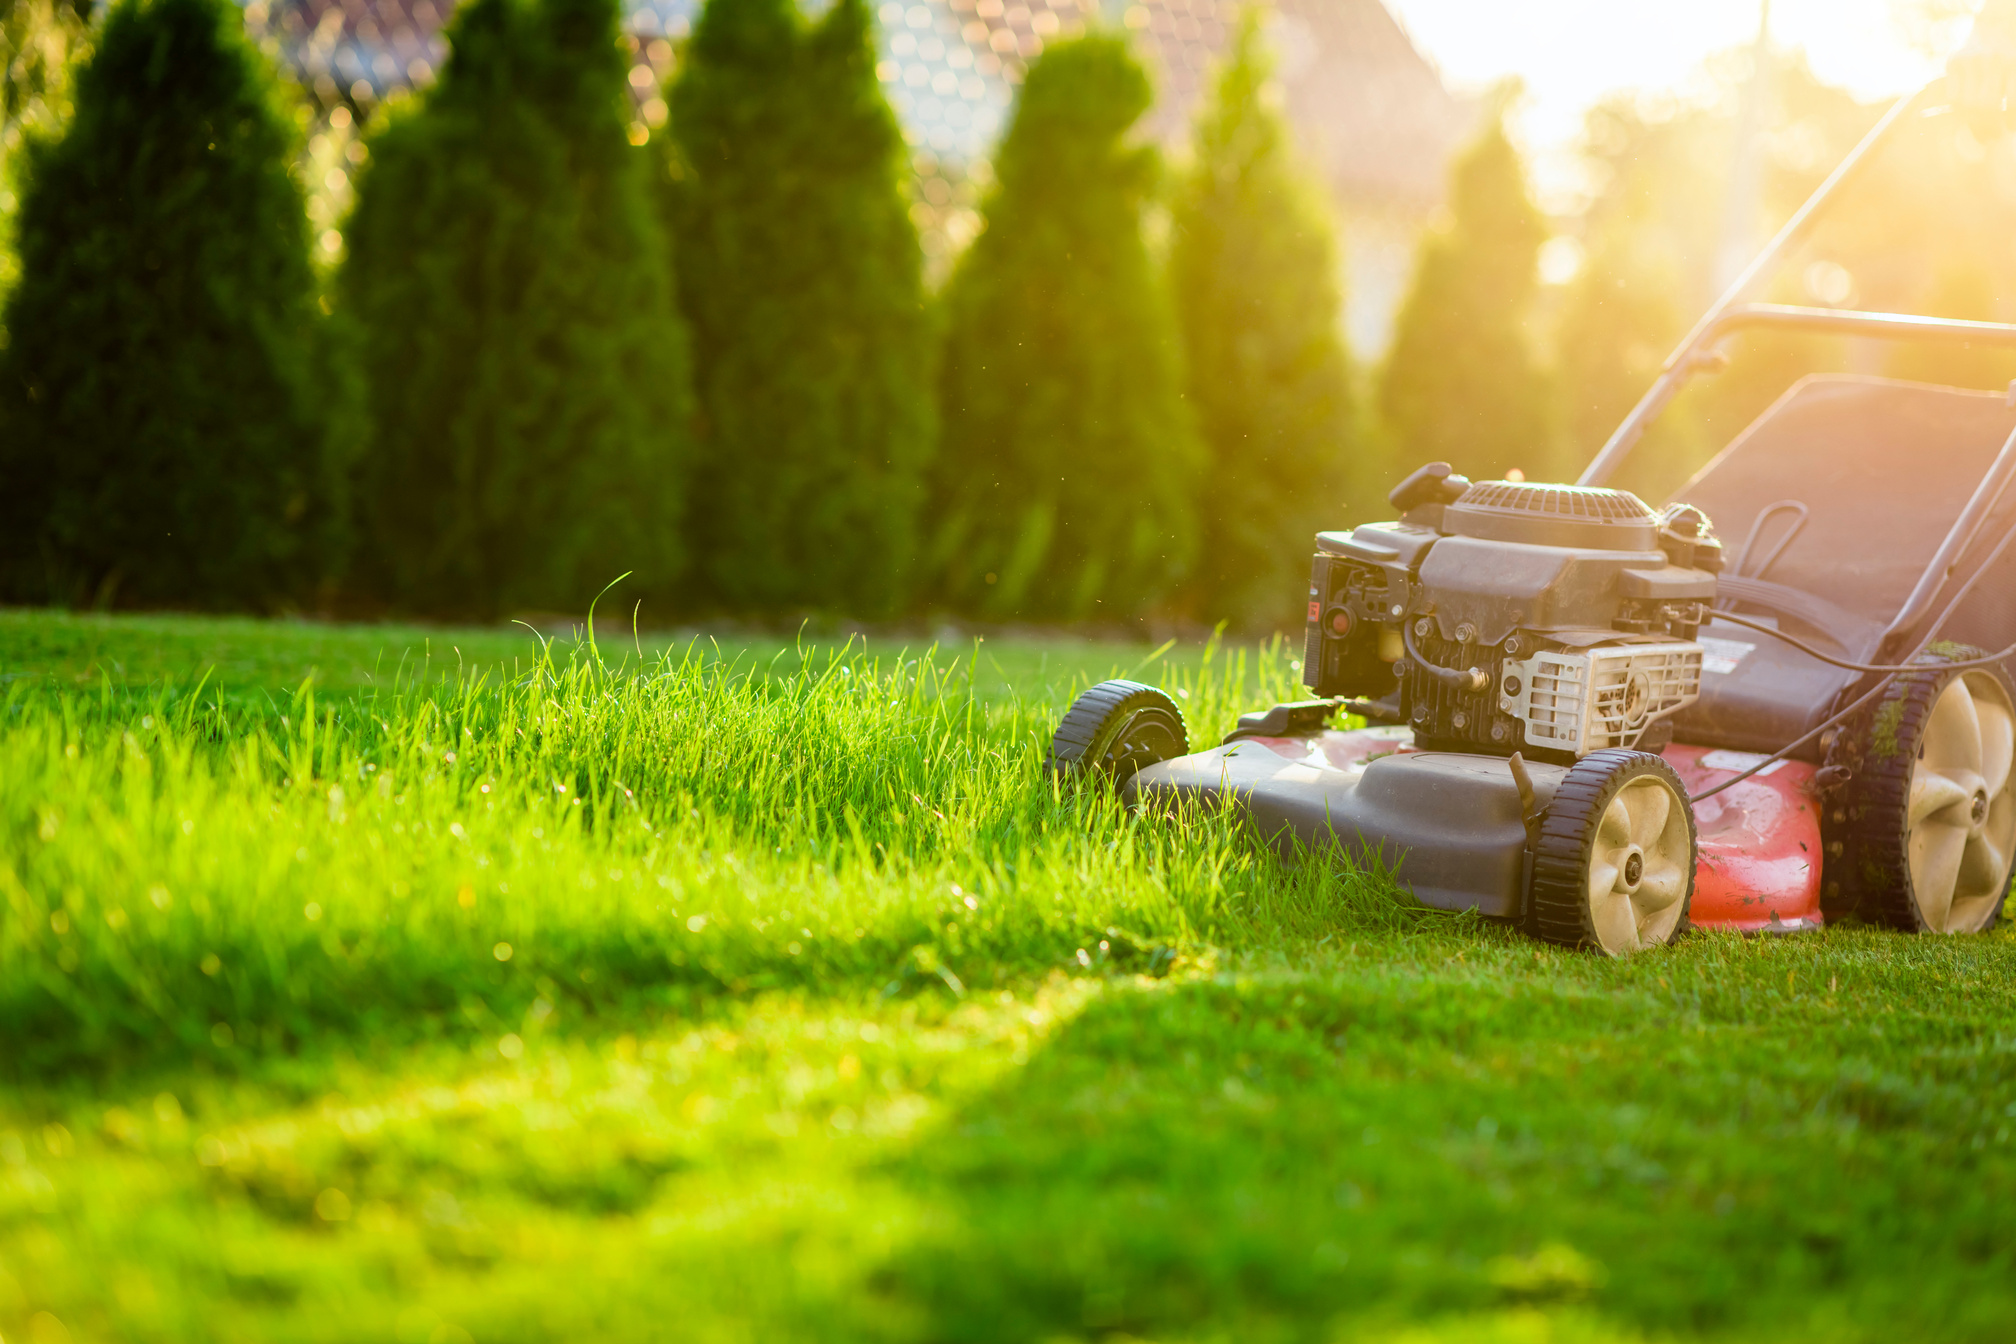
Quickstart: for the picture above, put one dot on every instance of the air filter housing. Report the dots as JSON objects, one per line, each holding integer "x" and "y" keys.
{"x": 1554, "y": 515}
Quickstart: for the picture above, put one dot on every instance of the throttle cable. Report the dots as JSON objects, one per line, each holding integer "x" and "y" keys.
{"x": 1932, "y": 633}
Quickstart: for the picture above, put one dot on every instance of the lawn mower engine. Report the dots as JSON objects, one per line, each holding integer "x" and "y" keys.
{"x": 1506, "y": 616}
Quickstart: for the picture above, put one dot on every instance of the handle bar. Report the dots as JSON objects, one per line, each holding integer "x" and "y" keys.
{"x": 1687, "y": 358}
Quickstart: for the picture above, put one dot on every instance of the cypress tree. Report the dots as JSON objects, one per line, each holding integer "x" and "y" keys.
{"x": 803, "y": 278}
{"x": 510, "y": 287}
{"x": 162, "y": 435}
{"x": 1619, "y": 319}
{"x": 37, "y": 41}
{"x": 1253, "y": 268}
{"x": 1460, "y": 383}
{"x": 1067, "y": 478}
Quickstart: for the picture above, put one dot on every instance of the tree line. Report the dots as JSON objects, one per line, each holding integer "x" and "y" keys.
{"x": 550, "y": 354}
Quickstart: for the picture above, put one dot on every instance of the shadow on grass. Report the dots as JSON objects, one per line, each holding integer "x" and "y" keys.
{"x": 1304, "y": 1157}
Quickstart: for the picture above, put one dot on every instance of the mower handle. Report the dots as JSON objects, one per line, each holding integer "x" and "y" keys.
{"x": 1688, "y": 357}
{"x": 1849, "y": 322}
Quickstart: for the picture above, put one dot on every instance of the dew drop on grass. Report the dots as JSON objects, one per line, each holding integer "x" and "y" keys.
{"x": 502, "y": 951}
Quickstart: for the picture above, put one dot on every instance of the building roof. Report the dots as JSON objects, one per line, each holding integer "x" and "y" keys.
{"x": 1370, "y": 112}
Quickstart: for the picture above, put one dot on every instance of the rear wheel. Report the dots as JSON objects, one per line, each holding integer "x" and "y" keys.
{"x": 1613, "y": 864}
{"x": 1923, "y": 835}
{"x": 1114, "y": 730}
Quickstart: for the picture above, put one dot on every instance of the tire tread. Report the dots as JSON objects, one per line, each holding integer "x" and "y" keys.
{"x": 1871, "y": 875}
{"x": 1558, "y": 907}
{"x": 1084, "y": 724}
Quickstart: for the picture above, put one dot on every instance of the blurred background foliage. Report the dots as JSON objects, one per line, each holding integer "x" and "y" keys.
{"x": 509, "y": 293}
{"x": 1066, "y": 475}
{"x": 1253, "y": 270}
{"x": 1461, "y": 383}
{"x": 171, "y": 431}
{"x": 588, "y": 303}
{"x": 38, "y": 39}
{"x": 804, "y": 279}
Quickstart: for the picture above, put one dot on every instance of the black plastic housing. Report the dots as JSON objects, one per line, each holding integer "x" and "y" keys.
{"x": 1507, "y": 570}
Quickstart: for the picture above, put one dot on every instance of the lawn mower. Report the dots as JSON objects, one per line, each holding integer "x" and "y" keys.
{"x": 1608, "y": 722}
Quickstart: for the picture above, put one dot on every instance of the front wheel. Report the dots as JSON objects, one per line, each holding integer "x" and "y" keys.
{"x": 1113, "y": 731}
{"x": 1613, "y": 863}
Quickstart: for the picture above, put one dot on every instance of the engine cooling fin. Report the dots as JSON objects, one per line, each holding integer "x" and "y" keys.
{"x": 1554, "y": 515}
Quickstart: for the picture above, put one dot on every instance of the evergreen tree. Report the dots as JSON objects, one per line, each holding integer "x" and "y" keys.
{"x": 1620, "y": 317}
{"x": 1253, "y": 268}
{"x": 803, "y": 279}
{"x": 162, "y": 436}
{"x": 510, "y": 287}
{"x": 38, "y": 40}
{"x": 1460, "y": 383}
{"x": 1066, "y": 483}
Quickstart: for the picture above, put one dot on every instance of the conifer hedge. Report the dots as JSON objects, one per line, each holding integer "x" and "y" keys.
{"x": 803, "y": 279}
{"x": 167, "y": 428}
{"x": 1253, "y": 267}
{"x": 509, "y": 283}
{"x": 1461, "y": 383}
{"x": 1066, "y": 478}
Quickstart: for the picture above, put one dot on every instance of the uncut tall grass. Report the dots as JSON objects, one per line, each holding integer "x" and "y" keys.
{"x": 183, "y": 874}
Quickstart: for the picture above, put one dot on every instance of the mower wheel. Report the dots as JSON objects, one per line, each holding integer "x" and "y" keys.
{"x": 1923, "y": 835}
{"x": 1115, "y": 729}
{"x": 1613, "y": 862}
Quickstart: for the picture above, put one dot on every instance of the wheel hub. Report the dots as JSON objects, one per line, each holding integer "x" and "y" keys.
{"x": 1640, "y": 862}
{"x": 1961, "y": 818}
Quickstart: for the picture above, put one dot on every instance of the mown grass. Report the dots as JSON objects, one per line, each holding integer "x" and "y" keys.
{"x": 712, "y": 997}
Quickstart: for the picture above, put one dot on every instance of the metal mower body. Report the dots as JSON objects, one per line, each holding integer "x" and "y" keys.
{"x": 1449, "y": 826}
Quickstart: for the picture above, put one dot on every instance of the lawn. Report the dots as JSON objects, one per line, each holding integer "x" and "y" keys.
{"x": 381, "y": 983}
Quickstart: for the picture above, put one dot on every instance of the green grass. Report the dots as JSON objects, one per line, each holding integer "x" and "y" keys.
{"x": 764, "y": 992}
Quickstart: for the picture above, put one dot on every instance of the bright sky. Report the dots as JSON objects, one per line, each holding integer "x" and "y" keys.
{"x": 1572, "y": 52}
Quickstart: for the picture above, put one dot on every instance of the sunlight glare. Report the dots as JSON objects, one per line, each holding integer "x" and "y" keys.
{"x": 1570, "y": 54}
